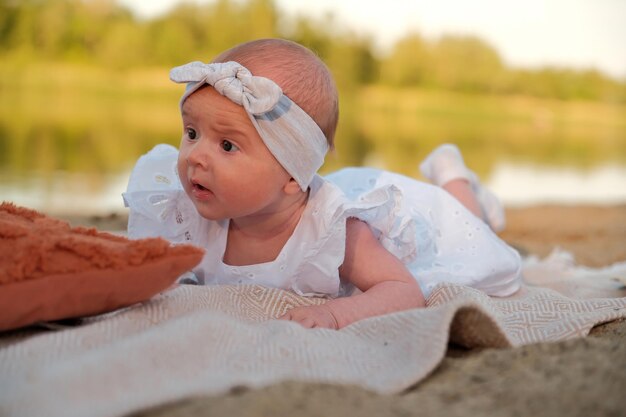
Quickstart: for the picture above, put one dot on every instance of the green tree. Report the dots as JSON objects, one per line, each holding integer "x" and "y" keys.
{"x": 103, "y": 32}
{"x": 126, "y": 44}
{"x": 409, "y": 62}
{"x": 466, "y": 63}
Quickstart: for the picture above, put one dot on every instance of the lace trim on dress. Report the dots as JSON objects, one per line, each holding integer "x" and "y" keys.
{"x": 159, "y": 205}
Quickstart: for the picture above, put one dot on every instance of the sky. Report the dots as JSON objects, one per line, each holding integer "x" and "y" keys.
{"x": 529, "y": 33}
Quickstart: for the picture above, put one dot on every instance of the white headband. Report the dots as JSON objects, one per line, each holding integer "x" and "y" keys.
{"x": 289, "y": 133}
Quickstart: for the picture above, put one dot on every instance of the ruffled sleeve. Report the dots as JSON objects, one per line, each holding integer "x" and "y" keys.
{"x": 437, "y": 238}
{"x": 324, "y": 240}
{"x": 157, "y": 202}
{"x": 383, "y": 208}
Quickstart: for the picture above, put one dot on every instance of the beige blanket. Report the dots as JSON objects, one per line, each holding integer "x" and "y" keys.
{"x": 195, "y": 341}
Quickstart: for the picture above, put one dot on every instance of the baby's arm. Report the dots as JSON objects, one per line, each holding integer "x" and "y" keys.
{"x": 386, "y": 284}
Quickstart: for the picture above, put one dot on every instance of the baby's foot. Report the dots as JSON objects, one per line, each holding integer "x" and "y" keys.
{"x": 445, "y": 164}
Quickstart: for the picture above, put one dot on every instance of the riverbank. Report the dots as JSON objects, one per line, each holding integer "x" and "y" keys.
{"x": 595, "y": 235}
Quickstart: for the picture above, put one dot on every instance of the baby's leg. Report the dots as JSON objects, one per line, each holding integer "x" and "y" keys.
{"x": 461, "y": 189}
{"x": 445, "y": 168}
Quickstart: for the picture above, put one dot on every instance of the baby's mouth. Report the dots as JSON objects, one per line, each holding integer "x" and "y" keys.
{"x": 199, "y": 187}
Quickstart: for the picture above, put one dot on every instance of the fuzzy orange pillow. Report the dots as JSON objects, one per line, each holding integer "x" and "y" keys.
{"x": 50, "y": 271}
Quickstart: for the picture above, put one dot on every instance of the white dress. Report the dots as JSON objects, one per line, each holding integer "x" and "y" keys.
{"x": 427, "y": 229}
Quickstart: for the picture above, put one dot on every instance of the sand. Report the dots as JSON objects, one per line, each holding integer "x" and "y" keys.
{"x": 584, "y": 377}
{"x": 595, "y": 235}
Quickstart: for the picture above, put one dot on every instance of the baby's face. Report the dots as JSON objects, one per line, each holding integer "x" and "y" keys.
{"x": 223, "y": 164}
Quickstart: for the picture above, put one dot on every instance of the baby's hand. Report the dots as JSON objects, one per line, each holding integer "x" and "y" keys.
{"x": 312, "y": 317}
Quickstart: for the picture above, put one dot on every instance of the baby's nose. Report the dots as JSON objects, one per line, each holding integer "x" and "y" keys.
{"x": 198, "y": 154}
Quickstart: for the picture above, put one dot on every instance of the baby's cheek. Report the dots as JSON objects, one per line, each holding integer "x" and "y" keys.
{"x": 181, "y": 161}
{"x": 181, "y": 170}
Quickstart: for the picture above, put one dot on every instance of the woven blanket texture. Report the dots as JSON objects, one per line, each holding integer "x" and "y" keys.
{"x": 194, "y": 341}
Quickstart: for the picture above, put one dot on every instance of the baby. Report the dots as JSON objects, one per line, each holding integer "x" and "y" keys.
{"x": 257, "y": 123}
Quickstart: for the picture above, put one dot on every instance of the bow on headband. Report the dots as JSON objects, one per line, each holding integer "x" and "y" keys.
{"x": 289, "y": 133}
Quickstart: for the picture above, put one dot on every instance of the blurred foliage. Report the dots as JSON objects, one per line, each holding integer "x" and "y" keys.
{"x": 402, "y": 127}
{"x": 84, "y": 88}
{"x": 105, "y": 33}
{"x": 75, "y": 118}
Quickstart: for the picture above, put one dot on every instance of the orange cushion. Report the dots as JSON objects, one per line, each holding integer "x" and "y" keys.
{"x": 51, "y": 271}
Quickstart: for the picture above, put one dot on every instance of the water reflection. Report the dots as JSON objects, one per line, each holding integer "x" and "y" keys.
{"x": 68, "y": 146}
{"x": 525, "y": 184}
{"x": 516, "y": 184}
{"x": 62, "y": 192}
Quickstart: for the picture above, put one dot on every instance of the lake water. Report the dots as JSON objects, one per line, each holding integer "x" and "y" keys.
{"x": 69, "y": 140}
{"x": 519, "y": 185}
{"x": 515, "y": 184}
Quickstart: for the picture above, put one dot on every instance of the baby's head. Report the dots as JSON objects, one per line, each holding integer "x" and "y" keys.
{"x": 302, "y": 76}
{"x": 258, "y": 122}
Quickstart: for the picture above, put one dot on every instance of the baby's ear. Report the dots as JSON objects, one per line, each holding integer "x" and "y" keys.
{"x": 292, "y": 187}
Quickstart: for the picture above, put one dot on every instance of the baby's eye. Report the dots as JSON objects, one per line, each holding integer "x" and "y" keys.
{"x": 228, "y": 146}
{"x": 191, "y": 133}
